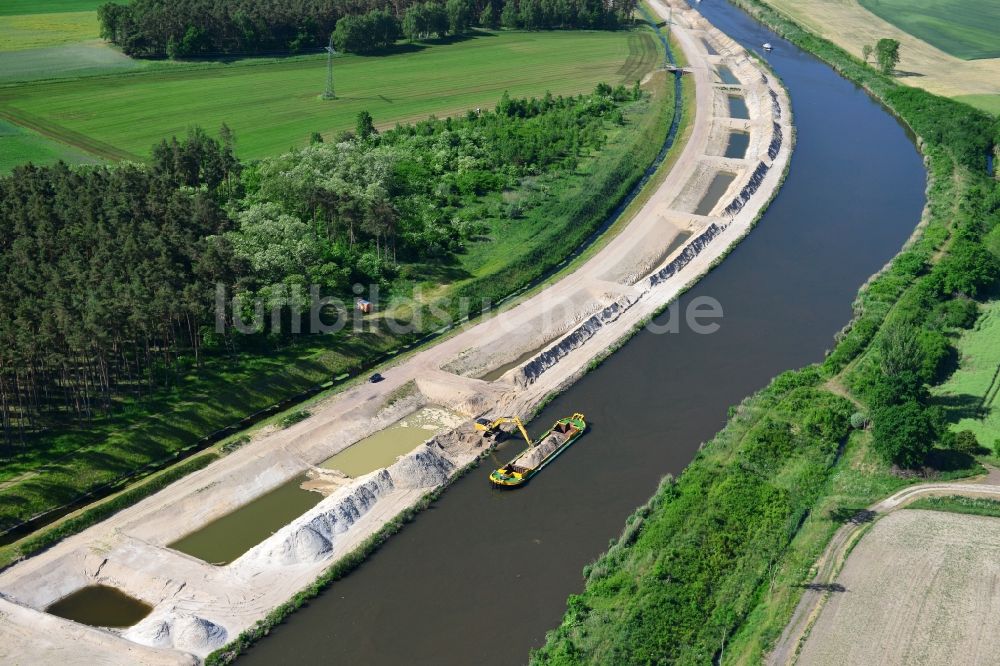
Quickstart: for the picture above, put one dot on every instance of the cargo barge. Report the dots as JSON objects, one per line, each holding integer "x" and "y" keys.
{"x": 539, "y": 454}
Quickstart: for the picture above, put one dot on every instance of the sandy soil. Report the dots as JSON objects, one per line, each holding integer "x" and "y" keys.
{"x": 922, "y": 587}
{"x": 198, "y": 607}
{"x": 830, "y": 563}
{"x": 851, "y": 26}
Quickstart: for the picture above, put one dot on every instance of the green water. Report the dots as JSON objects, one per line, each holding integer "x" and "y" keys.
{"x": 496, "y": 373}
{"x": 100, "y": 606}
{"x": 716, "y": 189}
{"x": 228, "y": 537}
{"x": 738, "y": 144}
{"x": 727, "y": 76}
{"x": 382, "y": 448}
{"x": 738, "y": 107}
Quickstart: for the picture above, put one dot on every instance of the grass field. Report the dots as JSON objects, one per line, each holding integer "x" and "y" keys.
{"x": 967, "y": 29}
{"x": 274, "y": 106}
{"x": 15, "y": 7}
{"x": 970, "y": 394}
{"x": 988, "y": 103}
{"x": 30, "y": 31}
{"x": 18, "y": 145}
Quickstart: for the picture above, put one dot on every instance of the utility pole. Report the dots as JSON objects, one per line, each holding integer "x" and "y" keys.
{"x": 330, "y": 52}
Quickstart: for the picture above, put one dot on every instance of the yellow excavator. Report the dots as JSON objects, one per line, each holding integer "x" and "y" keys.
{"x": 492, "y": 428}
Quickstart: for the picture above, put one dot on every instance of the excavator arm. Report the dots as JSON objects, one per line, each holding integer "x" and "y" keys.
{"x": 491, "y": 428}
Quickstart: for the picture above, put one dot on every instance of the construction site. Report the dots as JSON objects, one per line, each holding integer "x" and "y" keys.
{"x": 186, "y": 570}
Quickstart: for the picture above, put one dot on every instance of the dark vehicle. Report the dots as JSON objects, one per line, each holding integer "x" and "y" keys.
{"x": 376, "y": 378}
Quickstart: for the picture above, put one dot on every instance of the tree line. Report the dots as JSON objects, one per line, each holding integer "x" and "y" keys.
{"x": 193, "y": 28}
{"x": 111, "y": 271}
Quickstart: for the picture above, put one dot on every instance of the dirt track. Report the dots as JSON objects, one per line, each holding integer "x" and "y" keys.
{"x": 572, "y": 321}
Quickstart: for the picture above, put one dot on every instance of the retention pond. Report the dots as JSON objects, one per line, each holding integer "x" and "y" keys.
{"x": 482, "y": 575}
{"x": 382, "y": 448}
{"x": 100, "y": 606}
{"x": 226, "y": 538}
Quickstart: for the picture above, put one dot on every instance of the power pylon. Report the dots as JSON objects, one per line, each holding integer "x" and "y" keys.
{"x": 330, "y": 52}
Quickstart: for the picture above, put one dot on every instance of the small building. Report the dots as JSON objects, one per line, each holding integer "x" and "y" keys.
{"x": 363, "y": 306}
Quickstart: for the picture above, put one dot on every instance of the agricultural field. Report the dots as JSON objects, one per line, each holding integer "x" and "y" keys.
{"x": 29, "y": 31}
{"x": 970, "y": 394}
{"x": 925, "y": 62}
{"x": 988, "y": 103}
{"x": 19, "y": 145}
{"x": 967, "y": 29}
{"x": 275, "y": 105}
{"x": 917, "y": 589}
{"x": 26, "y": 24}
{"x": 15, "y": 7}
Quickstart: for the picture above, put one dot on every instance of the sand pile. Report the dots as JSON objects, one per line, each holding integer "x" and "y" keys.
{"x": 179, "y": 630}
{"x": 310, "y": 538}
{"x": 534, "y": 456}
{"x": 532, "y": 370}
{"x": 424, "y": 468}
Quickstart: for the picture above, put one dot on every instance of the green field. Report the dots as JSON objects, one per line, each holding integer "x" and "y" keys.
{"x": 966, "y": 29}
{"x": 31, "y": 31}
{"x": 70, "y": 60}
{"x": 273, "y": 106}
{"x": 15, "y": 7}
{"x": 970, "y": 395}
{"x": 18, "y": 145}
{"x": 988, "y": 103}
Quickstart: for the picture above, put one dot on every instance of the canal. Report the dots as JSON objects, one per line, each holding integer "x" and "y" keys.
{"x": 482, "y": 575}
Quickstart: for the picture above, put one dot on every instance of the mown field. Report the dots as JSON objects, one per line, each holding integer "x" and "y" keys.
{"x": 970, "y": 394}
{"x": 273, "y": 106}
{"x": 966, "y": 29}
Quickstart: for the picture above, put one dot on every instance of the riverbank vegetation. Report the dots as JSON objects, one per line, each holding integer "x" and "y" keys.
{"x": 418, "y": 205}
{"x": 712, "y": 567}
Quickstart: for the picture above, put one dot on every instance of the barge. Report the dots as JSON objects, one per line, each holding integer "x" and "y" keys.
{"x": 539, "y": 454}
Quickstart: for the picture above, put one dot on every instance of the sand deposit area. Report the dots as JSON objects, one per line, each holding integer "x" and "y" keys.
{"x": 919, "y": 588}
{"x": 545, "y": 341}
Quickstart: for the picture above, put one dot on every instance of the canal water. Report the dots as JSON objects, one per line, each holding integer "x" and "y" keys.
{"x": 482, "y": 575}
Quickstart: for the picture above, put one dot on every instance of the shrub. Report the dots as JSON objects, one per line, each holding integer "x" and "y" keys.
{"x": 966, "y": 442}
{"x": 859, "y": 421}
{"x": 903, "y": 434}
{"x": 291, "y": 419}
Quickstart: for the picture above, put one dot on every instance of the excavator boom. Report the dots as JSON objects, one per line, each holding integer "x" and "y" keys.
{"x": 491, "y": 428}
